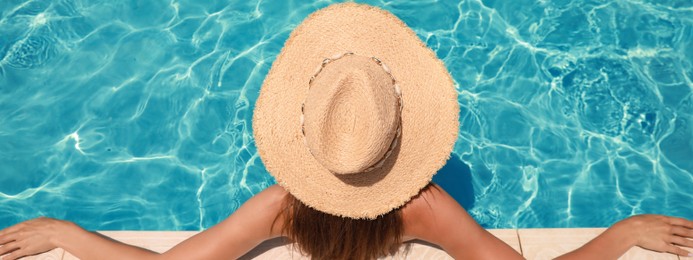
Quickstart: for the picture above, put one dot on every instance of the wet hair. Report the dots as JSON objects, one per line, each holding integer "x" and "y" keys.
{"x": 325, "y": 236}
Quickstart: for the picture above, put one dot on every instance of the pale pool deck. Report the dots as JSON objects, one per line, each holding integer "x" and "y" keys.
{"x": 531, "y": 243}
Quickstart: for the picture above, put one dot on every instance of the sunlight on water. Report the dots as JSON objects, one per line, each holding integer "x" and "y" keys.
{"x": 138, "y": 115}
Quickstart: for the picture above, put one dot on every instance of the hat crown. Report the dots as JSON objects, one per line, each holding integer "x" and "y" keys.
{"x": 351, "y": 114}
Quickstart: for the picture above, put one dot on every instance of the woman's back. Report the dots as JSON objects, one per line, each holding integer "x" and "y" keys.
{"x": 432, "y": 216}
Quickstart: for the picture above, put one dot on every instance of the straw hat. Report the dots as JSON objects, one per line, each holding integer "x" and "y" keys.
{"x": 356, "y": 114}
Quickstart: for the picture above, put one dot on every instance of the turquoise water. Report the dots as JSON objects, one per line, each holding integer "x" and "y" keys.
{"x": 137, "y": 114}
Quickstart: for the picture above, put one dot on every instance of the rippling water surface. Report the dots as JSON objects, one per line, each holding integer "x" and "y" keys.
{"x": 136, "y": 114}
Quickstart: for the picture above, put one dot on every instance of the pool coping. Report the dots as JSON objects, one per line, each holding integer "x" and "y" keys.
{"x": 545, "y": 243}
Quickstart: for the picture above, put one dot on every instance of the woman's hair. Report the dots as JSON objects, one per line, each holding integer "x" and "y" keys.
{"x": 324, "y": 236}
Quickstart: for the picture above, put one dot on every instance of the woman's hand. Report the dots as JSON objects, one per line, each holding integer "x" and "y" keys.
{"x": 30, "y": 237}
{"x": 662, "y": 233}
{"x": 653, "y": 232}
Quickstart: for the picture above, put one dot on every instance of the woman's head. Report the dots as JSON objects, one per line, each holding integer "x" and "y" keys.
{"x": 354, "y": 118}
{"x": 356, "y": 114}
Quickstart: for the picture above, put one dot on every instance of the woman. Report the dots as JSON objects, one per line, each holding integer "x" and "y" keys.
{"x": 433, "y": 216}
{"x": 353, "y": 142}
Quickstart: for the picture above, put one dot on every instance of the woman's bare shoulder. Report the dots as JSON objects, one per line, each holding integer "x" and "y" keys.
{"x": 274, "y": 191}
{"x": 421, "y": 206}
{"x": 261, "y": 212}
{"x": 270, "y": 201}
{"x": 431, "y": 212}
{"x": 436, "y": 217}
{"x": 422, "y": 202}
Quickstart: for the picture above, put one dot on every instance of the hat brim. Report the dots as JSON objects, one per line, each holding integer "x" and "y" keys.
{"x": 430, "y": 113}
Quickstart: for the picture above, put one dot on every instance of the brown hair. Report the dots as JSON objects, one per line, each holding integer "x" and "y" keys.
{"x": 324, "y": 236}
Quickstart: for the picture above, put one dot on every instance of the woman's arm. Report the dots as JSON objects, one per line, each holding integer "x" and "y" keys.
{"x": 238, "y": 234}
{"x": 436, "y": 217}
{"x": 246, "y": 228}
{"x": 653, "y": 232}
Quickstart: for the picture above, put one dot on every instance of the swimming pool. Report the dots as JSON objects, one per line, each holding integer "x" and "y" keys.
{"x": 136, "y": 114}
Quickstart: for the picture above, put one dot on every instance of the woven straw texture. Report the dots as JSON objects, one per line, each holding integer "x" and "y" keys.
{"x": 429, "y": 119}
